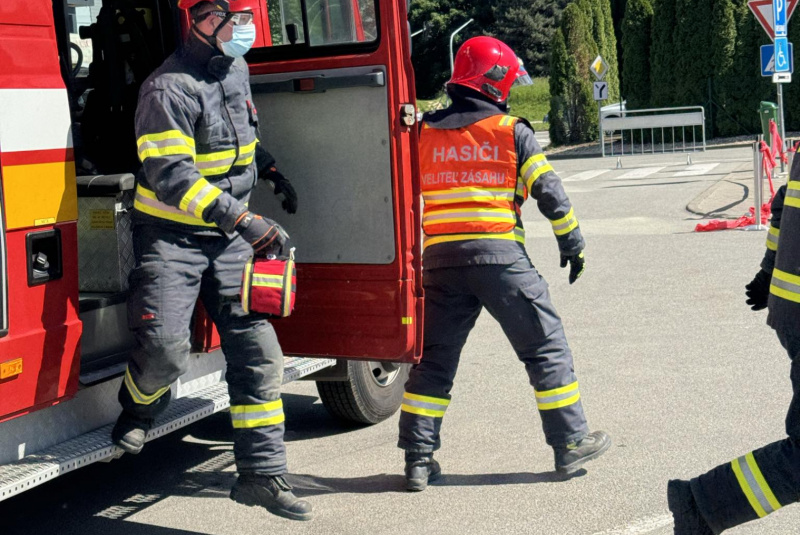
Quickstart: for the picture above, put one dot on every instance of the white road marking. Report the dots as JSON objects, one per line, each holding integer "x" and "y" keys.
{"x": 697, "y": 170}
{"x": 640, "y": 527}
{"x": 586, "y": 175}
{"x": 644, "y": 172}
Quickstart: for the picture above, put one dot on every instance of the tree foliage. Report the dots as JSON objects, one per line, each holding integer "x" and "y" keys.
{"x": 573, "y": 112}
{"x": 527, "y": 26}
{"x": 636, "y": 38}
{"x": 662, "y": 54}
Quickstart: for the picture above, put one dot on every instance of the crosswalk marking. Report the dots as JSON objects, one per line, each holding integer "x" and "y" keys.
{"x": 697, "y": 170}
{"x": 586, "y": 175}
{"x": 640, "y": 173}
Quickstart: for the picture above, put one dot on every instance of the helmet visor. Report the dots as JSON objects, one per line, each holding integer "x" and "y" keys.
{"x": 523, "y": 78}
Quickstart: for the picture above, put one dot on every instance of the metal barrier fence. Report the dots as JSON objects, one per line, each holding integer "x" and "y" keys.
{"x": 655, "y": 120}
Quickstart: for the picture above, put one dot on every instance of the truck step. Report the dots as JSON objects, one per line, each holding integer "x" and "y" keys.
{"x": 38, "y": 468}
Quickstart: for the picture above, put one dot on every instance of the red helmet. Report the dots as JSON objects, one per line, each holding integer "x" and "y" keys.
{"x": 488, "y": 65}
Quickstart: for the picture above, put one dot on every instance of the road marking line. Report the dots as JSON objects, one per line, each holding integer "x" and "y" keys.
{"x": 640, "y": 527}
{"x": 644, "y": 172}
{"x": 586, "y": 175}
{"x": 697, "y": 170}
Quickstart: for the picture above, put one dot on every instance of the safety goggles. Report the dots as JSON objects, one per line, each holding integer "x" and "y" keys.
{"x": 238, "y": 19}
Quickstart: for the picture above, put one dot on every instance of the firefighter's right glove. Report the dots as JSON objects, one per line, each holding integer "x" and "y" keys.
{"x": 577, "y": 265}
{"x": 265, "y": 235}
{"x": 758, "y": 291}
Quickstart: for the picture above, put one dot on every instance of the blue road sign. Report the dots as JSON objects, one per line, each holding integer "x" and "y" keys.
{"x": 768, "y": 60}
{"x": 780, "y": 13}
{"x": 782, "y": 54}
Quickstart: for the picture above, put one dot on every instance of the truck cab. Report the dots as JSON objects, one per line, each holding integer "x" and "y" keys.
{"x": 333, "y": 84}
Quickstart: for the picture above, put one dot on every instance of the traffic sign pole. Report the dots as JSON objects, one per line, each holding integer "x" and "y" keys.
{"x": 783, "y": 125}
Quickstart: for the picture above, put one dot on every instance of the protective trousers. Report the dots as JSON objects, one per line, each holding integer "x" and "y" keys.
{"x": 517, "y": 297}
{"x": 172, "y": 270}
{"x": 760, "y": 482}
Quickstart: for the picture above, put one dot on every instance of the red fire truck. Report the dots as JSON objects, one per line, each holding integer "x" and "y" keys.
{"x": 334, "y": 84}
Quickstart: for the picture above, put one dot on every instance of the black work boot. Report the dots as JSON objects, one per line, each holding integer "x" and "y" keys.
{"x": 571, "y": 457}
{"x": 420, "y": 468}
{"x": 688, "y": 520}
{"x": 272, "y": 493}
{"x": 130, "y": 431}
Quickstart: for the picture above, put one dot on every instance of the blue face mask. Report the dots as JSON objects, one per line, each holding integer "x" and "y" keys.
{"x": 243, "y": 38}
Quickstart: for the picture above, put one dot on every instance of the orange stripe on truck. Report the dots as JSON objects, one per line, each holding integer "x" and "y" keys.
{"x": 38, "y": 194}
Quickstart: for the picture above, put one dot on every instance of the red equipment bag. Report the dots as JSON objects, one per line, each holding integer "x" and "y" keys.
{"x": 269, "y": 285}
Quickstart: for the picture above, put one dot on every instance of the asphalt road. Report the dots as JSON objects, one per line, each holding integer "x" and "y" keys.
{"x": 671, "y": 363}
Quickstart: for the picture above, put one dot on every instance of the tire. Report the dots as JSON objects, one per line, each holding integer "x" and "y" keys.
{"x": 372, "y": 392}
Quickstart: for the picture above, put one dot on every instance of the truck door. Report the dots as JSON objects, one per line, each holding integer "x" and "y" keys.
{"x": 334, "y": 92}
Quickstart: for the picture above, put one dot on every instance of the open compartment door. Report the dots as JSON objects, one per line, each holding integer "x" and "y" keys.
{"x": 334, "y": 93}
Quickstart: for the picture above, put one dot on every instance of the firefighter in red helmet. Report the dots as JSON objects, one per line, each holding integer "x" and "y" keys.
{"x": 478, "y": 165}
{"x": 198, "y": 141}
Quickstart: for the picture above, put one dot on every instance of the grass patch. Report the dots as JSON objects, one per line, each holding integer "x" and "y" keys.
{"x": 531, "y": 102}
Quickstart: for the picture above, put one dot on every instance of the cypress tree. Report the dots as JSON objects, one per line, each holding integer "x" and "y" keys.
{"x": 572, "y": 105}
{"x": 558, "y": 89}
{"x": 610, "y": 54}
{"x": 662, "y": 54}
{"x": 723, "y": 50}
{"x": 692, "y": 42}
{"x": 636, "y": 35}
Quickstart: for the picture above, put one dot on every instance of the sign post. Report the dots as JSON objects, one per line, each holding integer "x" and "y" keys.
{"x": 780, "y": 16}
{"x": 599, "y": 68}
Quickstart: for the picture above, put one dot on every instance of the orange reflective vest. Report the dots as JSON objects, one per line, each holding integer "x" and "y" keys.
{"x": 469, "y": 182}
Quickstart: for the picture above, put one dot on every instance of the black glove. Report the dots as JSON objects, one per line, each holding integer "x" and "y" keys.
{"x": 265, "y": 235}
{"x": 758, "y": 290}
{"x": 577, "y": 264}
{"x": 282, "y": 186}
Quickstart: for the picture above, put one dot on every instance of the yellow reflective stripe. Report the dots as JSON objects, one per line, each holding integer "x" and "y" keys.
{"x": 246, "y": 286}
{"x": 215, "y": 156}
{"x": 147, "y": 202}
{"x": 788, "y": 277}
{"x": 167, "y": 134}
{"x": 287, "y": 299}
{"x": 559, "y": 404}
{"x": 765, "y": 488}
{"x": 263, "y": 407}
{"x": 246, "y": 154}
{"x": 507, "y": 120}
{"x": 421, "y": 412}
{"x": 517, "y": 235}
{"x": 539, "y": 172}
{"x": 566, "y": 224}
{"x": 556, "y": 391}
{"x": 772, "y": 238}
{"x": 192, "y": 193}
{"x": 137, "y": 395}
{"x": 536, "y": 158}
{"x": 785, "y": 285}
{"x": 558, "y": 397}
{"x": 204, "y": 203}
{"x": 172, "y": 150}
{"x": 262, "y": 422}
{"x": 427, "y": 399}
{"x": 748, "y": 492}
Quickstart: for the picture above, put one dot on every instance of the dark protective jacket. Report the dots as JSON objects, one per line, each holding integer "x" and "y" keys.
{"x": 468, "y": 108}
{"x": 197, "y": 137}
{"x": 783, "y": 256}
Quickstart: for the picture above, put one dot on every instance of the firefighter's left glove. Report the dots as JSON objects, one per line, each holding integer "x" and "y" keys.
{"x": 758, "y": 291}
{"x": 283, "y": 189}
{"x": 264, "y": 235}
{"x": 577, "y": 265}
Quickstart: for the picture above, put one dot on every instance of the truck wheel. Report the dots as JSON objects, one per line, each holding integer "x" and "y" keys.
{"x": 372, "y": 392}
